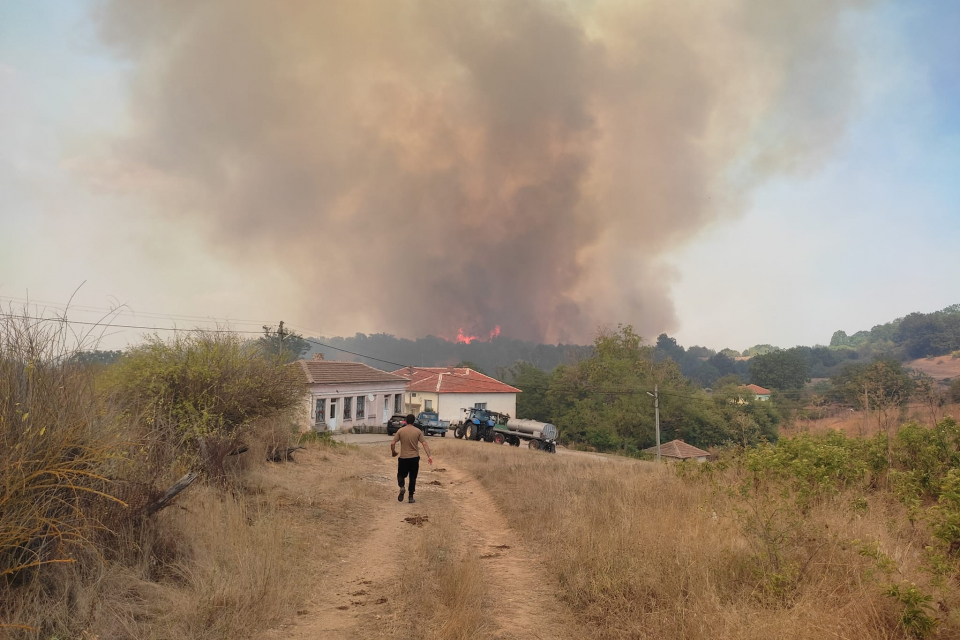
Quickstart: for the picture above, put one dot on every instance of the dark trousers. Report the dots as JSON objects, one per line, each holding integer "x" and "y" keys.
{"x": 405, "y": 467}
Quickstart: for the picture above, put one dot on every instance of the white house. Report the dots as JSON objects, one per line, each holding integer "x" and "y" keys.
{"x": 449, "y": 390}
{"x": 350, "y": 396}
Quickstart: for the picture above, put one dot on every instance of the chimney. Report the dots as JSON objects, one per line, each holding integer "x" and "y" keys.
{"x": 318, "y": 356}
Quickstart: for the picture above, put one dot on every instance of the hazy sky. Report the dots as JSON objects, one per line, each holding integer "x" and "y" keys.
{"x": 866, "y": 228}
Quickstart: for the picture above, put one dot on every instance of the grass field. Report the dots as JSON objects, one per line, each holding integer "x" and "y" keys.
{"x": 637, "y": 552}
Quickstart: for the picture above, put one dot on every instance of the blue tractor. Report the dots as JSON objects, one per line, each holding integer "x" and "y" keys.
{"x": 479, "y": 424}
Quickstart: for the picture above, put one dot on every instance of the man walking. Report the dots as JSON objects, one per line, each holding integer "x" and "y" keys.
{"x": 410, "y": 438}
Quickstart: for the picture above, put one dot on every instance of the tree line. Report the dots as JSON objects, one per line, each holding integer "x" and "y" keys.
{"x": 603, "y": 401}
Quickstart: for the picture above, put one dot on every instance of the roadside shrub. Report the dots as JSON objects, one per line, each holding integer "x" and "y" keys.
{"x": 817, "y": 466}
{"x": 204, "y": 393}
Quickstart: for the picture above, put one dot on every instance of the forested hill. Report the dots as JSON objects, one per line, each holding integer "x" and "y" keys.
{"x": 917, "y": 335}
{"x": 913, "y": 336}
{"x": 490, "y": 357}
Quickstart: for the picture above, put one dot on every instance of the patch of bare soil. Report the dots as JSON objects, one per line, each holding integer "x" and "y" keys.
{"x": 524, "y": 604}
{"x": 358, "y": 594}
{"x": 350, "y": 588}
{"x": 942, "y": 368}
{"x": 417, "y": 521}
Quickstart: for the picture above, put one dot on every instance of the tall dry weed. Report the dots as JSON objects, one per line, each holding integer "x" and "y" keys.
{"x": 57, "y": 447}
{"x": 638, "y": 552}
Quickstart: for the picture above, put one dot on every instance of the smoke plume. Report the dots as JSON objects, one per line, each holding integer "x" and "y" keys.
{"x": 427, "y": 166}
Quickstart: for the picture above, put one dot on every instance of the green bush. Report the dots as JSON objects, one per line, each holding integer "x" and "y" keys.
{"x": 204, "y": 393}
{"x": 917, "y": 616}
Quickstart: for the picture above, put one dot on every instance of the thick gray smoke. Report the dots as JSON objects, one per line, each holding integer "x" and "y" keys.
{"x": 522, "y": 163}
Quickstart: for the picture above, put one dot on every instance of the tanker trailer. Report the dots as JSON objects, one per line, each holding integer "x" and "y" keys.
{"x": 539, "y": 435}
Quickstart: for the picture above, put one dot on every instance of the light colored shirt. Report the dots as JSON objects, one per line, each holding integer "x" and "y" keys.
{"x": 409, "y": 438}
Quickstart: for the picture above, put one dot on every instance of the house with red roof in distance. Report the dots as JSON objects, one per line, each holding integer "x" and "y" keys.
{"x": 349, "y": 396}
{"x": 678, "y": 451}
{"x": 759, "y": 393}
{"x": 450, "y": 390}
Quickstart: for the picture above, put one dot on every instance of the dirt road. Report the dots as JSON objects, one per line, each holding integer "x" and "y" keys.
{"x": 381, "y": 586}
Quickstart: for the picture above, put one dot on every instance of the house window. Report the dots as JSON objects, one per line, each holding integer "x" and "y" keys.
{"x": 480, "y": 405}
{"x": 333, "y": 408}
{"x": 396, "y": 403}
{"x": 428, "y": 405}
{"x": 321, "y": 411}
{"x": 347, "y": 408}
{"x": 361, "y": 406}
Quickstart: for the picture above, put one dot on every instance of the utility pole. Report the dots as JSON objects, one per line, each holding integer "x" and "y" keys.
{"x": 866, "y": 410}
{"x": 656, "y": 408}
{"x": 280, "y": 333}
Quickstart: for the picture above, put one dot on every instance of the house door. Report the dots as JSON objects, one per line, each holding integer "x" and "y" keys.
{"x": 386, "y": 408}
{"x": 332, "y": 420}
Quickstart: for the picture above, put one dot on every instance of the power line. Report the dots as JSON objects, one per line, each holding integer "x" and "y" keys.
{"x": 195, "y": 330}
{"x": 576, "y": 390}
{"x": 125, "y": 310}
{"x": 108, "y": 325}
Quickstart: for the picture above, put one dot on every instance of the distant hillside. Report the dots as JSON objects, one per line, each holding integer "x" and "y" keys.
{"x": 431, "y": 351}
{"x": 918, "y": 335}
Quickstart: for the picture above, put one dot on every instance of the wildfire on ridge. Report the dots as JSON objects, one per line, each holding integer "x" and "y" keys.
{"x": 464, "y": 338}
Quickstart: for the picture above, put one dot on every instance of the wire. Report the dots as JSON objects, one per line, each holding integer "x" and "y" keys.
{"x": 577, "y": 390}
{"x": 195, "y": 330}
{"x": 125, "y": 310}
{"x": 361, "y": 355}
{"x": 121, "y": 326}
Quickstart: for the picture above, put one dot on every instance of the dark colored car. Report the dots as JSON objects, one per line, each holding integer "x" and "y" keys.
{"x": 394, "y": 423}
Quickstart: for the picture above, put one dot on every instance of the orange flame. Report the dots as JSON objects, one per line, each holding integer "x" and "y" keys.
{"x": 464, "y": 338}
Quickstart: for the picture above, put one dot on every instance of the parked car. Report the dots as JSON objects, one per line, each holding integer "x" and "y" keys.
{"x": 394, "y": 423}
{"x": 431, "y": 424}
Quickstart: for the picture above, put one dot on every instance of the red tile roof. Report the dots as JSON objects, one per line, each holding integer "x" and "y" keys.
{"x": 757, "y": 389}
{"x": 678, "y": 449}
{"x": 452, "y": 380}
{"x": 335, "y": 372}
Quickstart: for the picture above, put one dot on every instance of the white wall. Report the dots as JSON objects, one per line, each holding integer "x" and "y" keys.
{"x": 374, "y": 412}
{"x": 451, "y": 405}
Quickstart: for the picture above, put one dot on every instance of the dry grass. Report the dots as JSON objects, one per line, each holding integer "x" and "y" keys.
{"x": 639, "y": 553}
{"x": 941, "y": 367}
{"x": 444, "y": 597}
{"x": 215, "y": 565}
{"x": 852, "y": 423}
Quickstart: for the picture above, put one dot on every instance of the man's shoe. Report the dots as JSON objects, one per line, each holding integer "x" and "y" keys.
{"x": 411, "y": 500}
{"x": 400, "y": 497}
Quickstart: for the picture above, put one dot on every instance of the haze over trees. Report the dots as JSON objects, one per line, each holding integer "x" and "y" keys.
{"x": 389, "y": 351}
{"x": 917, "y": 335}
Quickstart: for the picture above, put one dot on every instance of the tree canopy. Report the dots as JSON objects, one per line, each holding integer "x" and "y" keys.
{"x": 282, "y": 343}
{"x": 781, "y": 369}
{"x": 604, "y": 401}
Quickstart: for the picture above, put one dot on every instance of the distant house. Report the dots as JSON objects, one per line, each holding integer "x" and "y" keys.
{"x": 759, "y": 393}
{"x": 450, "y": 390}
{"x": 679, "y": 450}
{"x": 350, "y": 396}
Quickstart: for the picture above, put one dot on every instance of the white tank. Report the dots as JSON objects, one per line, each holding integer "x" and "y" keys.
{"x": 532, "y": 427}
